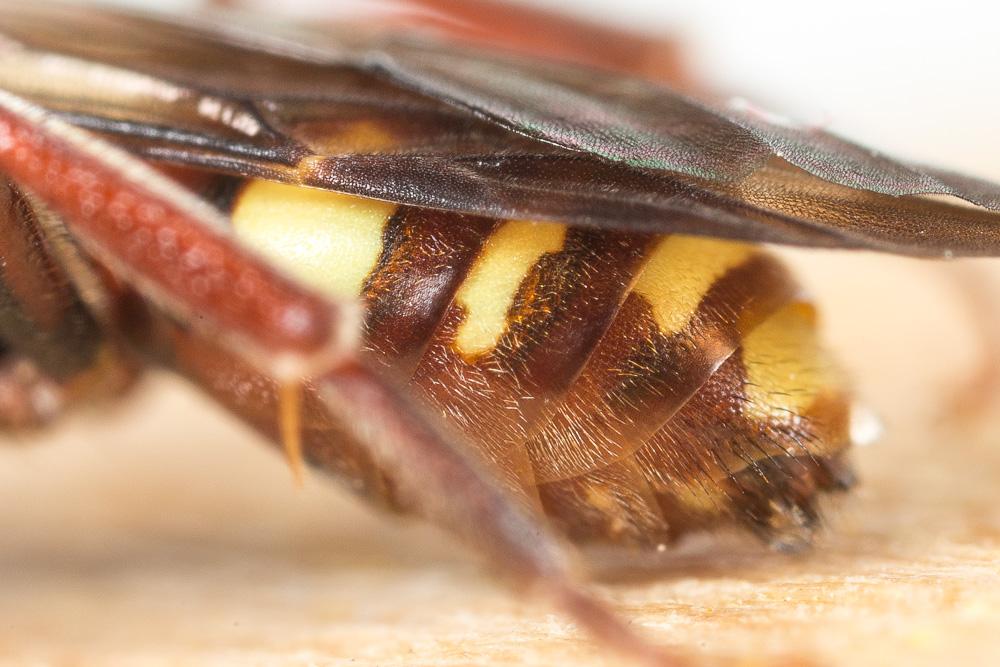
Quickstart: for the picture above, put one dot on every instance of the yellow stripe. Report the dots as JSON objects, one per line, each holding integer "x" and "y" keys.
{"x": 489, "y": 290}
{"x": 328, "y": 240}
{"x": 786, "y": 369}
{"x": 680, "y": 271}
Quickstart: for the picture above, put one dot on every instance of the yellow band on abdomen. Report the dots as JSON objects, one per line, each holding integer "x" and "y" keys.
{"x": 680, "y": 271}
{"x": 786, "y": 368}
{"x": 489, "y": 289}
{"x": 328, "y": 240}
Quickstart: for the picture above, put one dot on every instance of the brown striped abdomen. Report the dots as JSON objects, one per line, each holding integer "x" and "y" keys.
{"x": 632, "y": 387}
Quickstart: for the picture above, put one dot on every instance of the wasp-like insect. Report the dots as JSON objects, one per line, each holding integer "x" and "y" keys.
{"x": 567, "y": 329}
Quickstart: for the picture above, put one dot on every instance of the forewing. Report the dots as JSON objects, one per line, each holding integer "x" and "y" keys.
{"x": 446, "y": 127}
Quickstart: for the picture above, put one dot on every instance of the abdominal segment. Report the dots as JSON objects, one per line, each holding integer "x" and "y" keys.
{"x": 633, "y": 388}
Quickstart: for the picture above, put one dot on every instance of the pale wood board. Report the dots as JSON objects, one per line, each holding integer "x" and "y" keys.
{"x": 162, "y": 532}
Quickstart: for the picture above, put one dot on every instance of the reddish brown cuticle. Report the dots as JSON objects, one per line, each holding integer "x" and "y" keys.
{"x": 192, "y": 265}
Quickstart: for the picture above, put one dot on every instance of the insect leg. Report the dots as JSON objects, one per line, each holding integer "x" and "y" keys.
{"x": 171, "y": 247}
{"x": 53, "y": 350}
{"x": 361, "y": 427}
{"x": 437, "y": 474}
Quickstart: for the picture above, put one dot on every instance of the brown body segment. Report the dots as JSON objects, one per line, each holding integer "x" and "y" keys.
{"x": 638, "y": 379}
{"x": 603, "y": 375}
{"x": 425, "y": 256}
{"x": 559, "y": 307}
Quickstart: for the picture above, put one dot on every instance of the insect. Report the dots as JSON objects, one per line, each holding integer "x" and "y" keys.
{"x": 567, "y": 331}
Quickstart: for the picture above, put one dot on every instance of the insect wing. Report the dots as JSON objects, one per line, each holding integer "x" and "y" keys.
{"x": 447, "y": 127}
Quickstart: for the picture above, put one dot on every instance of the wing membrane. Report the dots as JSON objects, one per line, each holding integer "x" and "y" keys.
{"x": 448, "y": 127}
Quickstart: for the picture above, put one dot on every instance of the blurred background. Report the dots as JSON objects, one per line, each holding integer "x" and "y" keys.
{"x": 161, "y": 531}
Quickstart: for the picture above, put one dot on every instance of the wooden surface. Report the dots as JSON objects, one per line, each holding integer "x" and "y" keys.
{"x": 161, "y": 532}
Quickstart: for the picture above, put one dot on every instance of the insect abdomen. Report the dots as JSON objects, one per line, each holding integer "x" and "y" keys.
{"x": 632, "y": 387}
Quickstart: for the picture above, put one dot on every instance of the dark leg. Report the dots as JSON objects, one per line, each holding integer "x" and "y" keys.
{"x": 361, "y": 428}
{"x": 436, "y": 474}
{"x": 53, "y": 351}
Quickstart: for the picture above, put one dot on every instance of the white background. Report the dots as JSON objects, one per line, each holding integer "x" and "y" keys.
{"x": 918, "y": 79}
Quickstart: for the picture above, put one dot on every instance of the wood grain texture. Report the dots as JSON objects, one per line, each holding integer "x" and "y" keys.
{"x": 160, "y": 532}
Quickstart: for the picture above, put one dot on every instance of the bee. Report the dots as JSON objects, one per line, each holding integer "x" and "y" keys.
{"x": 523, "y": 299}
